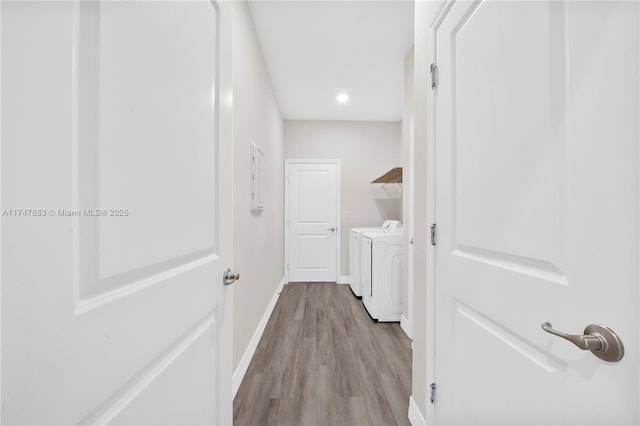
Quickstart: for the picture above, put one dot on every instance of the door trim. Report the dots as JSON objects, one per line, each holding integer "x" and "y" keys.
{"x": 287, "y": 164}
{"x": 411, "y": 203}
{"x": 431, "y": 327}
{"x": 1, "y": 204}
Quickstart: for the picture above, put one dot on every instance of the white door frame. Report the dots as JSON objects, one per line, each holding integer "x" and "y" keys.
{"x": 431, "y": 216}
{"x": 287, "y": 164}
{"x": 1, "y": 204}
{"x": 411, "y": 260}
{"x": 431, "y": 326}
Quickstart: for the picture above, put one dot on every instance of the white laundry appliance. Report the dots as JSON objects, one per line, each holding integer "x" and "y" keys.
{"x": 381, "y": 274}
{"x": 354, "y": 253}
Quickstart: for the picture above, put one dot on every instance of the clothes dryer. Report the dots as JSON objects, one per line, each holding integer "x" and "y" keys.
{"x": 354, "y": 253}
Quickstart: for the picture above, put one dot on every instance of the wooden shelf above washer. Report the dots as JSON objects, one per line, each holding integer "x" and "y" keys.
{"x": 392, "y": 176}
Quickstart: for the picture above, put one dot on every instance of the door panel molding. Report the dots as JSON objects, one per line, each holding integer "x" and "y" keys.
{"x": 123, "y": 397}
{"x": 93, "y": 25}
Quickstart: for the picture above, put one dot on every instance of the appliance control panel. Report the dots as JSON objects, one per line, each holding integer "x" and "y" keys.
{"x": 392, "y": 225}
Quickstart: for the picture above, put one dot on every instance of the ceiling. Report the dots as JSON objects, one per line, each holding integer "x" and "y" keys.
{"x": 316, "y": 50}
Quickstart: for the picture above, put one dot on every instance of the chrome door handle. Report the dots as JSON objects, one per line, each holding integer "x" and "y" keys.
{"x": 333, "y": 228}
{"x": 230, "y": 277}
{"x": 599, "y": 339}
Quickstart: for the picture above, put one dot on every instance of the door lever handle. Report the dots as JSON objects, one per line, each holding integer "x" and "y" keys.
{"x": 333, "y": 228}
{"x": 229, "y": 277}
{"x": 599, "y": 339}
{"x": 586, "y": 342}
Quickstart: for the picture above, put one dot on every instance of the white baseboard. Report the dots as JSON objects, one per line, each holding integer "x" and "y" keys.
{"x": 406, "y": 326}
{"x": 415, "y": 416}
{"x": 243, "y": 365}
{"x": 344, "y": 279}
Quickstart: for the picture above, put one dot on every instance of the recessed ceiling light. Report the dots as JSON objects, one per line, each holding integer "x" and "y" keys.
{"x": 342, "y": 98}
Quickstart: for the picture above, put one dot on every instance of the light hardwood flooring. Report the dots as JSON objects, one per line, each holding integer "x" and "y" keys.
{"x": 323, "y": 361}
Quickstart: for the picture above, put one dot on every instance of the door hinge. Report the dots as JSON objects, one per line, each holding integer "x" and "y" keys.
{"x": 288, "y": 223}
{"x": 287, "y": 266}
{"x": 288, "y": 181}
{"x": 434, "y": 76}
{"x": 433, "y": 392}
{"x": 433, "y": 234}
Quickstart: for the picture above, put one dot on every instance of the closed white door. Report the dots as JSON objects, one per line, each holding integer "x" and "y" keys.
{"x": 116, "y": 132}
{"x": 313, "y": 236}
{"x": 537, "y": 196}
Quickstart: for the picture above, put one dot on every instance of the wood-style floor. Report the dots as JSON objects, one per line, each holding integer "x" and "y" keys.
{"x": 323, "y": 361}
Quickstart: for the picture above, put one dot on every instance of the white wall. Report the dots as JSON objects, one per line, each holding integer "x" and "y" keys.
{"x": 367, "y": 150}
{"x": 258, "y": 239}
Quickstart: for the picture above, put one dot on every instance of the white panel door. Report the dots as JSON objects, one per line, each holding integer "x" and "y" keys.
{"x": 312, "y": 221}
{"x": 116, "y": 132}
{"x": 537, "y": 197}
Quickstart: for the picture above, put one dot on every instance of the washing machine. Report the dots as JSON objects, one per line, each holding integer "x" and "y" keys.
{"x": 381, "y": 274}
{"x": 354, "y": 253}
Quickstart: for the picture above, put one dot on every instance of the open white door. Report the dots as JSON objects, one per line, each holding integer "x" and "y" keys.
{"x": 312, "y": 209}
{"x": 116, "y": 131}
{"x": 537, "y": 197}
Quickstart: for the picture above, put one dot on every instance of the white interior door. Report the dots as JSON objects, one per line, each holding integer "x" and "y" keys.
{"x": 116, "y": 130}
{"x": 313, "y": 236}
{"x": 537, "y": 199}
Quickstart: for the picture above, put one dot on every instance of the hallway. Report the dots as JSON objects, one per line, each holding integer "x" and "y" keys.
{"x": 322, "y": 360}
